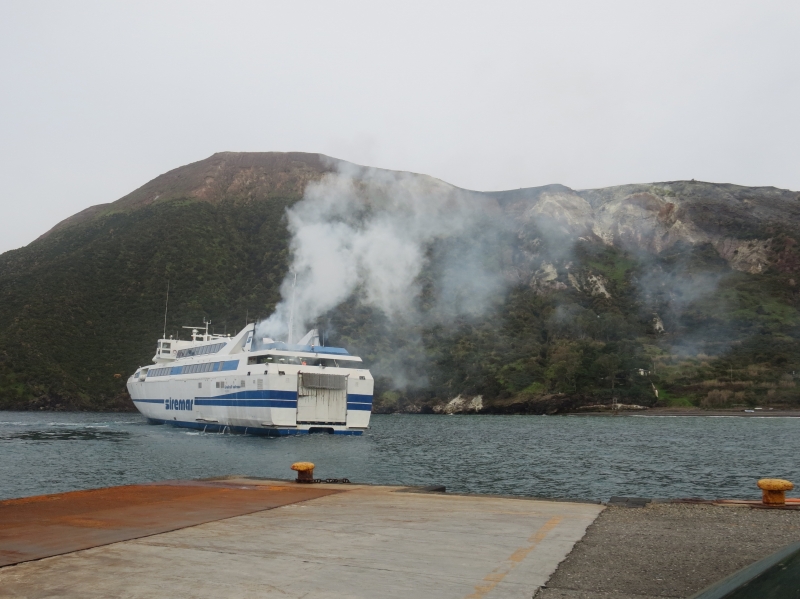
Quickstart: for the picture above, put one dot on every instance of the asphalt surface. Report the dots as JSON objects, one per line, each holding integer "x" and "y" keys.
{"x": 667, "y": 550}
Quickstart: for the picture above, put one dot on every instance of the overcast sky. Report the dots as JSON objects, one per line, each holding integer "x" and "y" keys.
{"x": 97, "y": 98}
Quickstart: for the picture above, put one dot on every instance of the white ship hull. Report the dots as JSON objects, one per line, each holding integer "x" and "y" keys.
{"x": 234, "y": 390}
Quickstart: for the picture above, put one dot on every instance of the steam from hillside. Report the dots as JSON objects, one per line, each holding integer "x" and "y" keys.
{"x": 392, "y": 240}
{"x": 370, "y": 233}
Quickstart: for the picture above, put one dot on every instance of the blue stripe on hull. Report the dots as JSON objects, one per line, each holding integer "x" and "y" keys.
{"x": 359, "y": 398}
{"x": 266, "y": 399}
{"x": 359, "y": 402}
{"x": 267, "y": 394}
{"x": 250, "y": 430}
{"x": 246, "y": 403}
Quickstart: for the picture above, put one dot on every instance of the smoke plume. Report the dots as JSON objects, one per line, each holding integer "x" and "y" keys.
{"x": 371, "y": 233}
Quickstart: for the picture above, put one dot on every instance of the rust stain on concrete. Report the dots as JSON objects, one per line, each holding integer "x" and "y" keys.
{"x": 43, "y": 526}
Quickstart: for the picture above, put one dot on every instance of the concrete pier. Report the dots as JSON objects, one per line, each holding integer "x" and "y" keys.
{"x": 254, "y": 538}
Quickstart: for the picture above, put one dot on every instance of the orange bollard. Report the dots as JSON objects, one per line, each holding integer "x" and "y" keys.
{"x": 305, "y": 471}
{"x": 773, "y": 490}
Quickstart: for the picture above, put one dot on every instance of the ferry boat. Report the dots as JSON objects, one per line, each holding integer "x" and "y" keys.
{"x": 240, "y": 384}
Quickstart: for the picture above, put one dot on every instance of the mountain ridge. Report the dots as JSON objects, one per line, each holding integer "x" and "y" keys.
{"x": 203, "y": 180}
{"x": 196, "y": 180}
{"x": 701, "y": 256}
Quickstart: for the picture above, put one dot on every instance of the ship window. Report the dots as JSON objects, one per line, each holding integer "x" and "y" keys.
{"x": 288, "y": 360}
{"x": 242, "y": 385}
{"x": 166, "y": 345}
{"x": 159, "y": 372}
{"x": 200, "y": 351}
{"x": 268, "y": 359}
{"x": 362, "y": 378}
{"x": 199, "y": 385}
{"x": 324, "y": 363}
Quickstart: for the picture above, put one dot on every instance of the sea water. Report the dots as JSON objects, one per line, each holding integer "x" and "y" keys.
{"x": 588, "y": 457}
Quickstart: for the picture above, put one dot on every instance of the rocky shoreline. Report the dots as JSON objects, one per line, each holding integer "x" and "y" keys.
{"x": 552, "y": 405}
{"x": 540, "y": 405}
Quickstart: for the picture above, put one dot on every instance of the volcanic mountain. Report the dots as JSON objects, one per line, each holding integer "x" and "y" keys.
{"x": 675, "y": 293}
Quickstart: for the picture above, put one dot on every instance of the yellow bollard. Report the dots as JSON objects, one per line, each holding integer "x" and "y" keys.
{"x": 305, "y": 471}
{"x": 773, "y": 490}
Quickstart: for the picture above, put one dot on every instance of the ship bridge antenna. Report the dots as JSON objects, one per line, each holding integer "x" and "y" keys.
{"x": 166, "y": 307}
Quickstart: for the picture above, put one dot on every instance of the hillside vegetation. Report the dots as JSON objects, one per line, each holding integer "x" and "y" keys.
{"x": 671, "y": 294}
